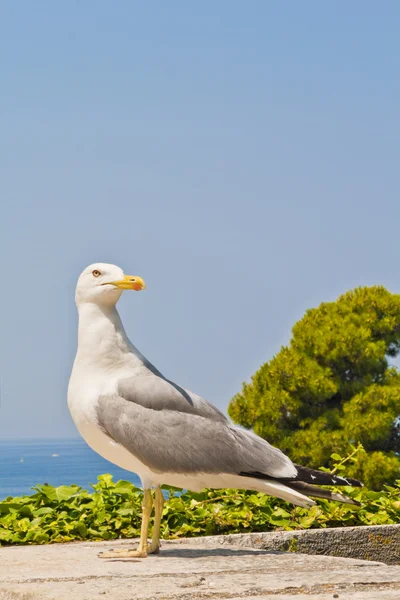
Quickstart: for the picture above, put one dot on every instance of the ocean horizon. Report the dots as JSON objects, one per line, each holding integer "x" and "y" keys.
{"x": 25, "y": 463}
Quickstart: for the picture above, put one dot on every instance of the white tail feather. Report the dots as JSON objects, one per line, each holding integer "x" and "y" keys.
{"x": 274, "y": 488}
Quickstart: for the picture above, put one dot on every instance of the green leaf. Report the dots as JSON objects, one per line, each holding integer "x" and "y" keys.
{"x": 106, "y": 480}
{"x": 335, "y": 456}
{"x": 81, "y": 527}
{"x": 45, "y": 510}
{"x": 6, "y": 507}
{"x": 41, "y": 537}
{"x": 64, "y": 492}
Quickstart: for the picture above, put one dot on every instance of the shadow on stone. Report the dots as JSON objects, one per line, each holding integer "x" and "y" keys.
{"x": 193, "y": 552}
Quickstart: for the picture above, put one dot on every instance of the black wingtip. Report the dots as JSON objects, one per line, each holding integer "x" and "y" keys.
{"x": 306, "y": 475}
{"x": 323, "y": 478}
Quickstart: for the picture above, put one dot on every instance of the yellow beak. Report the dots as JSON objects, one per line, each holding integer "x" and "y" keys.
{"x": 129, "y": 282}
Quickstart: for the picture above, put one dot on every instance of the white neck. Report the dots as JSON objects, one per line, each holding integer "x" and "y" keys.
{"x": 103, "y": 344}
{"x": 102, "y": 340}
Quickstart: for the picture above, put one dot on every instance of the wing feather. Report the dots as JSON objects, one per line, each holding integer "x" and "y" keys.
{"x": 173, "y": 441}
{"x": 158, "y": 393}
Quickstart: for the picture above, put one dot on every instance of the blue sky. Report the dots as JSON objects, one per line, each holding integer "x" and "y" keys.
{"x": 242, "y": 157}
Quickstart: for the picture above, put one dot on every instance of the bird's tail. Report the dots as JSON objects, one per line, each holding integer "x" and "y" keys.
{"x": 297, "y": 489}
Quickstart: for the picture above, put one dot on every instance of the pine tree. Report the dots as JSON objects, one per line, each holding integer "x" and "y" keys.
{"x": 333, "y": 386}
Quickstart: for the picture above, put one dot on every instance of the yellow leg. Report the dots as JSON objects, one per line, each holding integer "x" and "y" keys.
{"x": 154, "y": 547}
{"x": 141, "y": 551}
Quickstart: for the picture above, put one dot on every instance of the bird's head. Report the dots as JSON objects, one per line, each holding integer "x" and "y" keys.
{"x": 103, "y": 284}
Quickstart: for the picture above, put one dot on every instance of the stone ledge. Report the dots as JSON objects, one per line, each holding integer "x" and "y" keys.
{"x": 197, "y": 569}
{"x": 379, "y": 543}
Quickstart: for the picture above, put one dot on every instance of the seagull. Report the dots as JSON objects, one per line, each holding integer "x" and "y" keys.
{"x": 133, "y": 416}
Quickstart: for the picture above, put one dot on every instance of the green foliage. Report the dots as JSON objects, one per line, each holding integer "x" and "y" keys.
{"x": 69, "y": 513}
{"x": 333, "y": 386}
{"x": 113, "y": 511}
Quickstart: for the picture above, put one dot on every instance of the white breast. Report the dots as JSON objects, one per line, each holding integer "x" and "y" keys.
{"x": 82, "y": 399}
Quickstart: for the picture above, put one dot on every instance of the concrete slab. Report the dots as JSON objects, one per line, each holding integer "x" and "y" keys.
{"x": 188, "y": 571}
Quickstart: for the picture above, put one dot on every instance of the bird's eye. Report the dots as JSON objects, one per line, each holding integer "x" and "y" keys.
{"x": 96, "y": 273}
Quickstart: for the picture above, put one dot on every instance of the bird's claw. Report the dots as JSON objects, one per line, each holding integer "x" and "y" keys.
{"x": 153, "y": 549}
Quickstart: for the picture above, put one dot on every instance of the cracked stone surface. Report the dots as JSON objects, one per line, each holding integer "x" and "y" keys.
{"x": 189, "y": 571}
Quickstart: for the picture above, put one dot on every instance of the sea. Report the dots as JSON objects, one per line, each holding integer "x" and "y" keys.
{"x": 25, "y": 463}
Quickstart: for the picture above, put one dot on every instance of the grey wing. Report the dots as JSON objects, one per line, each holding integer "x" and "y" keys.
{"x": 171, "y": 441}
{"x": 155, "y": 392}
